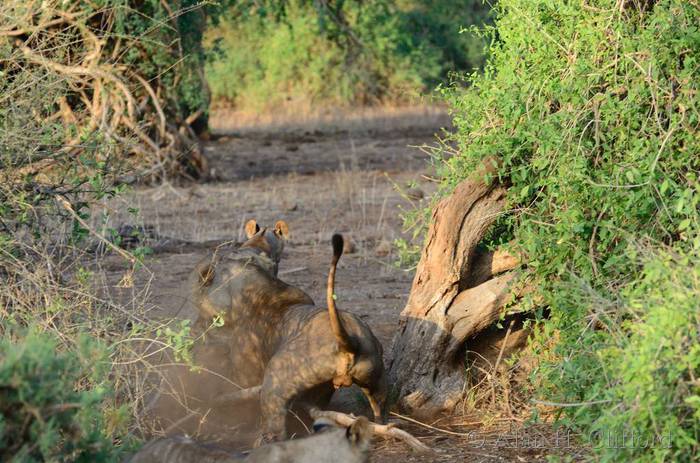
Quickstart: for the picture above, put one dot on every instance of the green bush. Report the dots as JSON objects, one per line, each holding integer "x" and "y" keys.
{"x": 444, "y": 27}
{"x": 60, "y": 156}
{"x": 652, "y": 387}
{"x": 127, "y": 72}
{"x": 50, "y": 401}
{"x": 348, "y": 54}
{"x": 593, "y": 110}
{"x": 265, "y": 63}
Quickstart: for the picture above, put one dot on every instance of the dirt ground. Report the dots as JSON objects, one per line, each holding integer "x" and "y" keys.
{"x": 321, "y": 179}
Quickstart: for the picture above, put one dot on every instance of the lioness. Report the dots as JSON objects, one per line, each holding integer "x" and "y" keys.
{"x": 241, "y": 287}
{"x": 330, "y": 444}
{"x": 274, "y": 337}
{"x": 246, "y": 293}
{"x": 317, "y": 351}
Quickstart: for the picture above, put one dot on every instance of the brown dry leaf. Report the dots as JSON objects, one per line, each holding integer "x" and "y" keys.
{"x": 127, "y": 281}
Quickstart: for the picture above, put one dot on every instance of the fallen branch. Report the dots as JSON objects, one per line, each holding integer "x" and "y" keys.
{"x": 67, "y": 206}
{"x": 389, "y": 430}
{"x": 567, "y": 404}
{"x": 342, "y": 419}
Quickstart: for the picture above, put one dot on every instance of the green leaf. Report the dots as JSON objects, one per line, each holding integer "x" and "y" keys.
{"x": 525, "y": 192}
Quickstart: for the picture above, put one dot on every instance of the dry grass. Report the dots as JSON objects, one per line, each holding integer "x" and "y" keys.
{"x": 50, "y": 287}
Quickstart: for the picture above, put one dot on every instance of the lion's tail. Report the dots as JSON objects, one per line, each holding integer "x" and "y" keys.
{"x": 341, "y": 335}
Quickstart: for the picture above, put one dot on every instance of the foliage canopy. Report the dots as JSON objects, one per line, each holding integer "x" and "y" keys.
{"x": 593, "y": 110}
{"x": 50, "y": 400}
{"x": 340, "y": 53}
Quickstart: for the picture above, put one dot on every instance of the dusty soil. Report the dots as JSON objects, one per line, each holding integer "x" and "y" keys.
{"x": 344, "y": 179}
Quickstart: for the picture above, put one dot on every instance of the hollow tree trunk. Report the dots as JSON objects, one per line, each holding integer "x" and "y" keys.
{"x": 457, "y": 292}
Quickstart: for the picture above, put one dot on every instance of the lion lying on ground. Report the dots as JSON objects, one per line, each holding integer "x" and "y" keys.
{"x": 329, "y": 444}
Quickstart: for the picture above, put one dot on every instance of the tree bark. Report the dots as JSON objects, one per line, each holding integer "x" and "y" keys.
{"x": 457, "y": 293}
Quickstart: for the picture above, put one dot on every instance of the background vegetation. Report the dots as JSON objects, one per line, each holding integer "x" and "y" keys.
{"x": 92, "y": 95}
{"x": 126, "y": 73}
{"x": 593, "y": 109}
{"x": 315, "y": 54}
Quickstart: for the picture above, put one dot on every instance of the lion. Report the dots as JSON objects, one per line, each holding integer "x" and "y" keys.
{"x": 328, "y": 444}
{"x": 275, "y": 338}
{"x": 229, "y": 357}
{"x": 317, "y": 351}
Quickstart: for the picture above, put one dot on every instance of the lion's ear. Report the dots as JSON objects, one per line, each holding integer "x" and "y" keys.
{"x": 251, "y": 228}
{"x": 282, "y": 229}
{"x": 359, "y": 433}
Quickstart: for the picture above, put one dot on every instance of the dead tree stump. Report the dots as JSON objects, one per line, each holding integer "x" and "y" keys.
{"x": 457, "y": 293}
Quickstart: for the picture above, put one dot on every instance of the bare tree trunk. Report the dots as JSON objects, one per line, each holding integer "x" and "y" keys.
{"x": 457, "y": 293}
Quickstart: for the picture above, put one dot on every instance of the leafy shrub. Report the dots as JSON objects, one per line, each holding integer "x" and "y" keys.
{"x": 50, "y": 400}
{"x": 653, "y": 390}
{"x": 341, "y": 54}
{"x": 593, "y": 110}
{"x": 444, "y": 27}
{"x": 124, "y": 67}
{"x": 57, "y": 160}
